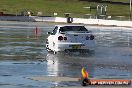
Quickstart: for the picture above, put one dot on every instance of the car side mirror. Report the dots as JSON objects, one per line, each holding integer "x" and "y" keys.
{"x": 49, "y": 33}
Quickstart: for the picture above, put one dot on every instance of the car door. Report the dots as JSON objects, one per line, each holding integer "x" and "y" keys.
{"x": 52, "y": 38}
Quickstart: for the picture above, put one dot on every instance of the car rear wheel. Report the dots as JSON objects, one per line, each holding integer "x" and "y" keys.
{"x": 54, "y": 52}
{"x": 47, "y": 48}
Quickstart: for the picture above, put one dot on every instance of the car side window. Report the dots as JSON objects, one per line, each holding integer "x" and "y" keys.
{"x": 55, "y": 30}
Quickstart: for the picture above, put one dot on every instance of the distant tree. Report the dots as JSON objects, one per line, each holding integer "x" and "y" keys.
{"x": 92, "y": 0}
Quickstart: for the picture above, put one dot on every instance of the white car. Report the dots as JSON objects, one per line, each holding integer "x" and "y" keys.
{"x": 70, "y": 38}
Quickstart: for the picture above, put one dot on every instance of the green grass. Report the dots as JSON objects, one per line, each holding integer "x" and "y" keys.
{"x": 48, "y": 7}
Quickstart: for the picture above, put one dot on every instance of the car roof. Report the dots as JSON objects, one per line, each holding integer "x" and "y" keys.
{"x": 68, "y": 25}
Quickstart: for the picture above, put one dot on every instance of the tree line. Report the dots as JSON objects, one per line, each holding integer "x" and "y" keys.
{"x": 108, "y": 1}
{"x": 92, "y": 0}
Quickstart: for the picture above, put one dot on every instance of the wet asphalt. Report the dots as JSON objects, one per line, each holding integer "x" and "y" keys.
{"x": 23, "y": 54}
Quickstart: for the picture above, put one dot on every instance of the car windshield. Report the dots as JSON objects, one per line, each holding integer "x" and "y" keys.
{"x": 72, "y": 28}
